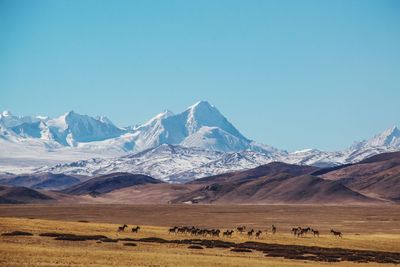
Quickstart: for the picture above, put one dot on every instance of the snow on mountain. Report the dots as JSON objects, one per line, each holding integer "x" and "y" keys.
{"x": 171, "y": 163}
{"x": 215, "y": 138}
{"x": 7, "y": 119}
{"x": 71, "y": 128}
{"x": 159, "y": 162}
{"x": 389, "y": 138}
{"x": 200, "y": 125}
{"x": 197, "y": 142}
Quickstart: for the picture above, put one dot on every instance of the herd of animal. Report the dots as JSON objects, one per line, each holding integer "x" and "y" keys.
{"x": 122, "y": 228}
{"x": 204, "y": 232}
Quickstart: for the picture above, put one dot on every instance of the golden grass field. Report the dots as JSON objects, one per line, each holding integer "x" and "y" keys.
{"x": 377, "y": 234}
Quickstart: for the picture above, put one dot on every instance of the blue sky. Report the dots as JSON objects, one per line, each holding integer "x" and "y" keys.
{"x": 292, "y": 74}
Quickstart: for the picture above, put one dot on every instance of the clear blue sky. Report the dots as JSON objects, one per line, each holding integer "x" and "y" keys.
{"x": 292, "y": 74}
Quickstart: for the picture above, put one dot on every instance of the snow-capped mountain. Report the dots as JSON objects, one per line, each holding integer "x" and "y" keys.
{"x": 178, "y": 164}
{"x": 170, "y": 163}
{"x": 7, "y": 119}
{"x": 200, "y": 125}
{"x": 69, "y": 129}
{"x": 195, "y": 143}
{"x": 388, "y": 138}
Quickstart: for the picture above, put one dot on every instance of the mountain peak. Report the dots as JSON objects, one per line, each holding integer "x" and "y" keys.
{"x": 6, "y": 113}
{"x": 390, "y": 137}
{"x": 157, "y": 118}
{"x": 201, "y": 104}
{"x": 69, "y": 114}
{"x": 392, "y": 130}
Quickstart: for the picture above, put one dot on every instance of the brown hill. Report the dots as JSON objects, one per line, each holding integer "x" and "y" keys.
{"x": 378, "y": 176}
{"x": 270, "y": 169}
{"x": 19, "y": 195}
{"x": 110, "y": 182}
{"x": 271, "y": 183}
{"x": 48, "y": 181}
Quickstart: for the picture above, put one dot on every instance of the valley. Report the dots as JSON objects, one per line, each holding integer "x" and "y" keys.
{"x": 372, "y": 228}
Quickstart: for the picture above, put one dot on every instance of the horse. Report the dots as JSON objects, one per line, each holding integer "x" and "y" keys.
{"x": 273, "y": 229}
{"x": 122, "y": 228}
{"x": 336, "y": 233}
{"x": 136, "y": 229}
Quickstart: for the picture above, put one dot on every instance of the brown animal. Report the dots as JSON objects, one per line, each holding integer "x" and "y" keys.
{"x": 315, "y": 233}
{"x": 122, "y": 228}
{"x": 241, "y": 229}
{"x": 273, "y": 229}
{"x": 136, "y": 229}
{"x": 250, "y": 233}
{"x": 295, "y": 230}
{"x": 173, "y": 230}
{"x": 336, "y": 233}
{"x": 227, "y": 233}
{"x": 258, "y": 234}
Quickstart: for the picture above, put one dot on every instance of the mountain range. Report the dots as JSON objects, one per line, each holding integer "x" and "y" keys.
{"x": 374, "y": 180}
{"x": 195, "y": 143}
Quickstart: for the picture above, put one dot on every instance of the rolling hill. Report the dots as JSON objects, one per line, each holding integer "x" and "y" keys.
{"x": 272, "y": 183}
{"x": 21, "y": 195}
{"x": 110, "y": 182}
{"x": 377, "y": 176}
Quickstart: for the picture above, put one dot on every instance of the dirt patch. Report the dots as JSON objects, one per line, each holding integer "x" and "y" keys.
{"x": 195, "y": 247}
{"x": 321, "y": 253}
{"x": 130, "y": 244}
{"x": 241, "y": 250}
{"x": 295, "y": 252}
{"x": 73, "y": 237}
{"x": 109, "y": 240}
{"x": 126, "y": 239}
{"x": 17, "y": 233}
{"x": 153, "y": 240}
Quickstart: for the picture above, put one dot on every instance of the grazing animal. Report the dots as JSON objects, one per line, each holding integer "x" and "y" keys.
{"x": 122, "y": 228}
{"x": 336, "y": 233}
{"x": 250, "y": 233}
{"x": 136, "y": 229}
{"x": 295, "y": 230}
{"x": 216, "y": 233}
{"x": 315, "y": 233}
{"x": 172, "y": 230}
{"x": 227, "y": 233}
{"x": 273, "y": 229}
{"x": 302, "y": 231}
{"x": 241, "y": 229}
{"x": 258, "y": 234}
